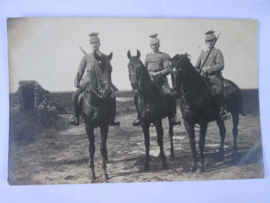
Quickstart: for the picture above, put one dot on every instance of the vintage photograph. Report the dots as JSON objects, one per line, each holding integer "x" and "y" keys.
{"x": 117, "y": 100}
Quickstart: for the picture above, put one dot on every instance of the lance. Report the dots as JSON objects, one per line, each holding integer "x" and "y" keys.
{"x": 83, "y": 50}
{"x": 209, "y": 53}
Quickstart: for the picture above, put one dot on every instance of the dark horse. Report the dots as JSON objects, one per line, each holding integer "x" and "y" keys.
{"x": 96, "y": 109}
{"x": 152, "y": 106}
{"x": 199, "y": 106}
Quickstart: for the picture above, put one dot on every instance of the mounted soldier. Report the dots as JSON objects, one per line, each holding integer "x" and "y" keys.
{"x": 82, "y": 80}
{"x": 210, "y": 65}
{"x": 158, "y": 66}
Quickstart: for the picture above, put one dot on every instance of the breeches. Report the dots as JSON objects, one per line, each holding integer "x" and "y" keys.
{"x": 217, "y": 85}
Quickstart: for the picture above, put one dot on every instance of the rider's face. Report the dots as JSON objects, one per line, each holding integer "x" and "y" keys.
{"x": 155, "y": 47}
{"x": 95, "y": 45}
{"x": 210, "y": 43}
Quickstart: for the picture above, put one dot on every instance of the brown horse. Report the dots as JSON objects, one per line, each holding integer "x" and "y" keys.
{"x": 199, "y": 106}
{"x": 96, "y": 109}
{"x": 152, "y": 106}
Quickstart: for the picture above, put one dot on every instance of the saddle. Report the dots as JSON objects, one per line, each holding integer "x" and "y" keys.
{"x": 228, "y": 88}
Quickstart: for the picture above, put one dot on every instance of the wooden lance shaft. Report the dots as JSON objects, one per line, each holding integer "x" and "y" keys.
{"x": 209, "y": 53}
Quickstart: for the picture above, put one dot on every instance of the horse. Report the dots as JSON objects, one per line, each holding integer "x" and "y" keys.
{"x": 199, "y": 106}
{"x": 95, "y": 109}
{"x": 152, "y": 106}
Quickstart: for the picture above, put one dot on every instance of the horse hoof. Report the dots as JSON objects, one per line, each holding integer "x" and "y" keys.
{"x": 221, "y": 158}
{"x": 165, "y": 166}
{"x": 105, "y": 176}
{"x": 192, "y": 169}
{"x": 172, "y": 157}
{"x": 146, "y": 167}
{"x": 200, "y": 170}
{"x": 93, "y": 178}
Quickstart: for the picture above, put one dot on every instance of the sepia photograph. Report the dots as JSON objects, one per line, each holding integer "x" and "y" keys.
{"x": 118, "y": 100}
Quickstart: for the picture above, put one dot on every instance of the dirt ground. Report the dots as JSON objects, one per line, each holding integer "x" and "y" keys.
{"x": 60, "y": 156}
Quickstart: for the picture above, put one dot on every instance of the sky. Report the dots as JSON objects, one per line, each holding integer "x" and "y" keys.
{"x": 47, "y": 49}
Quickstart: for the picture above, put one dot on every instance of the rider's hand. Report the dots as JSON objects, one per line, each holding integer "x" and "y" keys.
{"x": 155, "y": 75}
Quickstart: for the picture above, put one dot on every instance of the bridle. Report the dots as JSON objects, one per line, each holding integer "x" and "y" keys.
{"x": 96, "y": 90}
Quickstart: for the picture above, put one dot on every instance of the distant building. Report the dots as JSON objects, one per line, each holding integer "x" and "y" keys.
{"x": 30, "y": 94}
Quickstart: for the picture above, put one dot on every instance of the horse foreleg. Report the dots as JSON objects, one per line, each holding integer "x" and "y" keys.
{"x": 159, "y": 129}
{"x": 235, "y": 133}
{"x": 191, "y": 134}
{"x": 222, "y": 132}
{"x": 203, "y": 129}
{"x": 145, "y": 128}
{"x": 91, "y": 137}
{"x": 103, "y": 149}
{"x": 171, "y": 138}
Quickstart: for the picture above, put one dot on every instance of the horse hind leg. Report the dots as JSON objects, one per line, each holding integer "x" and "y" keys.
{"x": 203, "y": 129}
{"x": 159, "y": 129}
{"x": 222, "y": 133}
{"x": 171, "y": 138}
{"x": 103, "y": 150}
{"x": 91, "y": 137}
{"x": 235, "y": 116}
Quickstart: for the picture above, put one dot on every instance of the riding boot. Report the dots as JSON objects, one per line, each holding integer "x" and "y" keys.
{"x": 136, "y": 122}
{"x": 223, "y": 107}
{"x": 112, "y": 104}
{"x": 173, "y": 113}
{"x": 76, "y": 112}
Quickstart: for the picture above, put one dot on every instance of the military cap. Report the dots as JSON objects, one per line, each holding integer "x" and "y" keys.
{"x": 210, "y": 35}
{"x": 94, "y": 37}
{"x": 154, "y": 39}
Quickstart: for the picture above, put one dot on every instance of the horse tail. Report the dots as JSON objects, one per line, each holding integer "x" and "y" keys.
{"x": 238, "y": 95}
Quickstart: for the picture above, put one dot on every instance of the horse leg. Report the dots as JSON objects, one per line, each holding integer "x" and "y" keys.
{"x": 191, "y": 134}
{"x": 91, "y": 137}
{"x": 222, "y": 132}
{"x": 159, "y": 129}
{"x": 171, "y": 138}
{"x": 145, "y": 128}
{"x": 235, "y": 116}
{"x": 103, "y": 149}
{"x": 203, "y": 129}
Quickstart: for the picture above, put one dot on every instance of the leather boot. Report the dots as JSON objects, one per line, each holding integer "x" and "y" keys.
{"x": 223, "y": 107}
{"x": 76, "y": 112}
{"x": 112, "y": 104}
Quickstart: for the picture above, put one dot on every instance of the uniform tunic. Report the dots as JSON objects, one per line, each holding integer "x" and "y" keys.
{"x": 159, "y": 62}
{"x": 83, "y": 75}
{"x": 85, "y": 70}
{"x": 216, "y": 63}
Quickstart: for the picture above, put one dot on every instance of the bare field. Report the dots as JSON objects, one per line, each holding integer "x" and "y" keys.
{"x": 59, "y": 155}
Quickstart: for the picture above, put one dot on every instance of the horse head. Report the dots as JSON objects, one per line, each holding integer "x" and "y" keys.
{"x": 181, "y": 66}
{"x": 104, "y": 70}
{"x": 135, "y": 69}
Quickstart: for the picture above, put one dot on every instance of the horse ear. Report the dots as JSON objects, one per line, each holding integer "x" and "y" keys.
{"x": 138, "y": 54}
{"x": 96, "y": 56}
{"x": 129, "y": 55}
{"x": 110, "y": 56}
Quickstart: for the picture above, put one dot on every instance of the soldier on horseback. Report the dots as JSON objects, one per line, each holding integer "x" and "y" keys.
{"x": 158, "y": 66}
{"x": 82, "y": 80}
{"x": 212, "y": 68}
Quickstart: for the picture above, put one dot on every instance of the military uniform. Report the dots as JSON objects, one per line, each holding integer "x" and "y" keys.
{"x": 215, "y": 62}
{"x": 159, "y": 63}
{"x": 212, "y": 69}
{"x": 82, "y": 80}
{"x": 159, "y": 66}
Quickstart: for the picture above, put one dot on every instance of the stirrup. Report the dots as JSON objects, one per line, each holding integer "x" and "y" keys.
{"x": 113, "y": 122}
{"x": 73, "y": 120}
{"x": 136, "y": 122}
{"x": 223, "y": 115}
{"x": 175, "y": 122}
